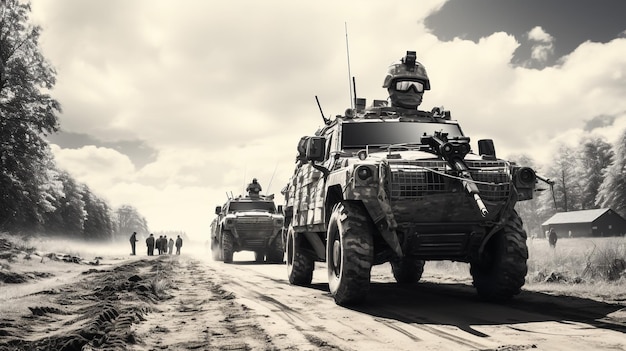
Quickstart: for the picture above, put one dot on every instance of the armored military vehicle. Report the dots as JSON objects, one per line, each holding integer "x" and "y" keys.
{"x": 379, "y": 185}
{"x": 248, "y": 223}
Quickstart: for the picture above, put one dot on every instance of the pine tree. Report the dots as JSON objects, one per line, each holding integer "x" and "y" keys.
{"x": 596, "y": 156}
{"x": 612, "y": 192}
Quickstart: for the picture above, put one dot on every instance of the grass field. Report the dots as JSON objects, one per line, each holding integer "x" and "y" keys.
{"x": 584, "y": 267}
{"x": 578, "y": 259}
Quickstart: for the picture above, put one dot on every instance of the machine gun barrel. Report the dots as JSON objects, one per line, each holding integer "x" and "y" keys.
{"x": 470, "y": 186}
{"x": 454, "y": 152}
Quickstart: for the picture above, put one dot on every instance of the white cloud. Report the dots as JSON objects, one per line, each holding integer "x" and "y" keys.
{"x": 543, "y": 47}
{"x": 94, "y": 165}
{"x": 540, "y": 35}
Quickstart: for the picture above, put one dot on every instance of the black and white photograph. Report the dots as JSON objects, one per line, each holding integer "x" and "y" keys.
{"x": 329, "y": 175}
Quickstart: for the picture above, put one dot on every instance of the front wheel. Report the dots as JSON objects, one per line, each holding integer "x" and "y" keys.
{"x": 276, "y": 251}
{"x": 259, "y": 256}
{"x": 501, "y": 271}
{"x": 349, "y": 253}
{"x": 407, "y": 270}
{"x": 227, "y": 247}
{"x": 299, "y": 266}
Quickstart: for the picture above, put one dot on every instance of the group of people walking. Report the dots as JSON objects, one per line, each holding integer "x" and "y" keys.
{"x": 163, "y": 245}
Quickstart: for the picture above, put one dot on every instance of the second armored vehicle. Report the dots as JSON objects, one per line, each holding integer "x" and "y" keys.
{"x": 248, "y": 223}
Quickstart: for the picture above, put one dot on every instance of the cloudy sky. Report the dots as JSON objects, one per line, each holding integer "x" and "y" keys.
{"x": 169, "y": 105}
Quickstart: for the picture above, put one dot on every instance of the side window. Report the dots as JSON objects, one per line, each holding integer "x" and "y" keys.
{"x": 329, "y": 144}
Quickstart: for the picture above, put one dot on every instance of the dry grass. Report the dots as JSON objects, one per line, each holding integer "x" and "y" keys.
{"x": 18, "y": 243}
{"x": 577, "y": 260}
{"x": 584, "y": 267}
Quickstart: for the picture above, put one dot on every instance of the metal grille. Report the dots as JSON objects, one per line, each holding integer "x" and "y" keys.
{"x": 258, "y": 226}
{"x": 415, "y": 179}
{"x": 495, "y": 172}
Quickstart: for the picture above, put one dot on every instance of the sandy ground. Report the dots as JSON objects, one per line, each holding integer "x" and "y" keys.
{"x": 188, "y": 302}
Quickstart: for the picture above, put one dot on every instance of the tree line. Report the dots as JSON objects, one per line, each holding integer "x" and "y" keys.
{"x": 35, "y": 195}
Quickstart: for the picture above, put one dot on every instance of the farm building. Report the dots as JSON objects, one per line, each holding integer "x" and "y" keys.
{"x": 586, "y": 223}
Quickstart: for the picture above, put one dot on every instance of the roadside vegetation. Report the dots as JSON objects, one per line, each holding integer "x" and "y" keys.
{"x": 577, "y": 260}
{"x": 584, "y": 267}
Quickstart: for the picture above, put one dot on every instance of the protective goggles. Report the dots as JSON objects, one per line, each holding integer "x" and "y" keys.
{"x": 406, "y": 85}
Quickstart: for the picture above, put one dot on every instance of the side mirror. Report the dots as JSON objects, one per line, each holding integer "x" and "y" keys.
{"x": 486, "y": 149}
{"x": 316, "y": 149}
{"x": 302, "y": 147}
{"x": 218, "y": 210}
{"x": 280, "y": 209}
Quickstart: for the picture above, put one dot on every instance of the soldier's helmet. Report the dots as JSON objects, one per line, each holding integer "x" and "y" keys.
{"x": 407, "y": 69}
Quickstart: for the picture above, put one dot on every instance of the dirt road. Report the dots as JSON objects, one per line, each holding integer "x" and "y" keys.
{"x": 187, "y": 303}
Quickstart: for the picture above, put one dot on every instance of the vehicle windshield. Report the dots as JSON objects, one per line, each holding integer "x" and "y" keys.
{"x": 358, "y": 135}
{"x": 251, "y": 206}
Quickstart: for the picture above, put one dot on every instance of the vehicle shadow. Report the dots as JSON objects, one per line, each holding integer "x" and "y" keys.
{"x": 458, "y": 305}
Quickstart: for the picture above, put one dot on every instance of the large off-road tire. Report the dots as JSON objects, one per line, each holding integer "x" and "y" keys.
{"x": 299, "y": 266}
{"x": 276, "y": 251}
{"x": 227, "y": 247}
{"x": 501, "y": 271}
{"x": 216, "y": 251}
{"x": 349, "y": 253}
{"x": 407, "y": 270}
{"x": 259, "y": 256}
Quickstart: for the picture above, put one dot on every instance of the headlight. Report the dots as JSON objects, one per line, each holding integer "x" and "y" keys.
{"x": 525, "y": 177}
{"x": 364, "y": 173}
{"x": 229, "y": 222}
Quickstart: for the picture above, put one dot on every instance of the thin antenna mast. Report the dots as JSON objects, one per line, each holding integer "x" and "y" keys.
{"x": 270, "y": 184}
{"x": 245, "y": 170}
{"x": 349, "y": 73}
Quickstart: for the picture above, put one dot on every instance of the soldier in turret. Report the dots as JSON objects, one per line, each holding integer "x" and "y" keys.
{"x": 254, "y": 188}
{"x": 406, "y": 82}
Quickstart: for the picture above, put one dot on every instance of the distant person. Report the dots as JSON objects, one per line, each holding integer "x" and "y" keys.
{"x": 179, "y": 244}
{"x": 133, "y": 241}
{"x": 552, "y": 238}
{"x": 150, "y": 244}
{"x": 159, "y": 245}
{"x": 254, "y": 188}
{"x": 164, "y": 245}
{"x": 170, "y": 246}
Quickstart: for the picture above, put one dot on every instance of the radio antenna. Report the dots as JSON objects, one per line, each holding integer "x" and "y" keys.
{"x": 245, "y": 170}
{"x": 349, "y": 73}
{"x": 270, "y": 184}
{"x": 326, "y": 120}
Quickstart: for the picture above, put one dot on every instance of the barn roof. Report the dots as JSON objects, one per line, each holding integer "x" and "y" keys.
{"x": 585, "y": 216}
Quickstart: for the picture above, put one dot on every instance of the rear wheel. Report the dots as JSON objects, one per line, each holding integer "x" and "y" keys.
{"x": 216, "y": 251}
{"x": 299, "y": 266}
{"x": 407, "y": 270}
{"x": 227, "y": 247}
{"x": 349, "y": 253}
{"x": 276, "y": 251}
{"x": 501, "y": 271}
